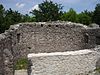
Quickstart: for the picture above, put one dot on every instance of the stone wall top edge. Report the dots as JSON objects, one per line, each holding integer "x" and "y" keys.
{"x": 9, "y": 31}
{"x": 4, "y": 35}
{"x": 56, "y": 23}
{"x": 15, "y": 27}
{"x": 79, "y": 52}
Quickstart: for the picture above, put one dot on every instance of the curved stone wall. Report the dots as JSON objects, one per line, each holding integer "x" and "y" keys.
{"x": 51, "y": 37}
{"x": 42, "y": 37}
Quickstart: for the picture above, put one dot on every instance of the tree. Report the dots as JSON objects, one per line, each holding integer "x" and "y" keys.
{"x": 27, "y": 18}
{"x": 84, "y": 19}
{"x": 71, "y": 15}
{"x": 11, "y": 17}
{"x": 48, "y": 11}
{"x": 89, "y": 13}
{"x": 96, "y": 16}
{"x": 2, "y": 11}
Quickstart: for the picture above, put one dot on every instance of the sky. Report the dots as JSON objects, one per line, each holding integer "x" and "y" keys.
{"x": 25, "y": 6}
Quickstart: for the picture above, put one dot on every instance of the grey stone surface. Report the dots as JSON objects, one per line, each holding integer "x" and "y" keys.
{"x": 94, "y": 25}
{"x": 6, "y": 56}
{"x": 20, "y": 72}
{"x": 64, "y": 63}
{"x": 52, "y": 37}
{"x": 43, "y": 37}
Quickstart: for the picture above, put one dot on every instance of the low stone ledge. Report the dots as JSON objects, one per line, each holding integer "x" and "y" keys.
{"x": 60, "y": 53}
{"x": 80, "y": 62}
{"x": 20, "y": 72}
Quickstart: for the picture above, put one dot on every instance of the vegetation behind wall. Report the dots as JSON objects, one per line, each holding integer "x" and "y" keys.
{"x": 48, "y": 11}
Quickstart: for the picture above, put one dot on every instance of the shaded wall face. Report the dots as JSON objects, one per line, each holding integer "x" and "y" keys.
{"x": 50, "y": 38}
{"x": 1, "y": 59}
{"x": 6, "y": 56}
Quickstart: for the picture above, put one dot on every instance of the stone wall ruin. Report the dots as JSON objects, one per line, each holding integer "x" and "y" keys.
{"x": 43, "y": 37}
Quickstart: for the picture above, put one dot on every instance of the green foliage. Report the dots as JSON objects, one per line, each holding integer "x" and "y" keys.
{"x": 84, "y": 19}
{"x": 71, "y": 15}
{"x": 89, "y": 13}
{"x": 27, "y": 18}
{"x": 21, "y": 64}
{"x": 48, "y": 11}
{"x": 97, "y": 70}
{"x": 96, "y": 15}
{"x": 10, "y": 17}
{"x": 2, "y": 13}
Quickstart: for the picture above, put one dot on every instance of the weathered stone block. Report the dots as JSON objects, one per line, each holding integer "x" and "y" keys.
{"x": 64, "y": 63}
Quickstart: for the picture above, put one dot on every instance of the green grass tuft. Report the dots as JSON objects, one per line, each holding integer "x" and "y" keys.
{"x": 21, "y": 64}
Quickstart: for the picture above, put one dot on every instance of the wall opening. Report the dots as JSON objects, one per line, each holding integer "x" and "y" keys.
{"x": 98, "y": 40}
{"x": 18, "y": 38}
{"x": 41, "y": 25}
{"x": 49, "y": 25}
{"x": 56, "y": 25}
{"x": 86, "y": 38}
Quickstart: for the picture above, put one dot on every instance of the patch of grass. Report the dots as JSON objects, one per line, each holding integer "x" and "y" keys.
{"x": 97, "y": 69}
{"x": 21, "y": 64}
